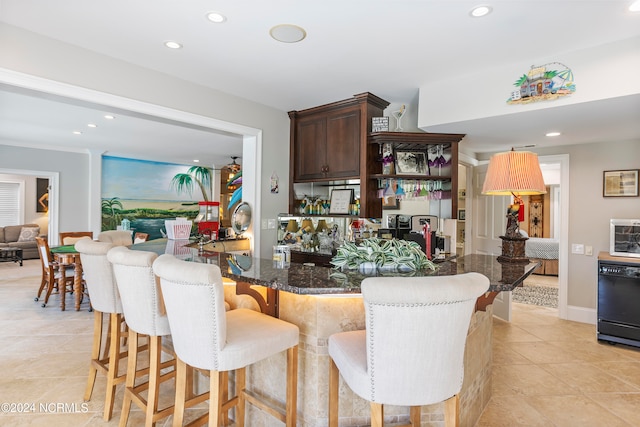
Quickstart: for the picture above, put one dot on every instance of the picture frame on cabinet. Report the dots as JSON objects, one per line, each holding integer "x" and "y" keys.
{"x": 411, "y": 162}
{"x": 390, "y": 202}
{"x": 380, "y": 124}
{"x": 620, "y": 183}
{"x": 340, "y": 201}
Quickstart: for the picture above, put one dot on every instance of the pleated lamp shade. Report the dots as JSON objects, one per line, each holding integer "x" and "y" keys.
{"x": 292, "y": 226}
{"x": 514, "y": 172}
{"x": 322, "y": 225}
{"x": 307, "y": 225}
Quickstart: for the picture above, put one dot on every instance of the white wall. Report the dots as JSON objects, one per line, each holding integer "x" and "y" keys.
{"x": 590, "y": 212}
{"x": 32, "y": 54}
{"x": 73, "y": 185}
{"x": 443, "y": 103}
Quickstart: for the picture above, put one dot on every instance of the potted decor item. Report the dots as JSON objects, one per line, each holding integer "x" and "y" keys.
{"x": 380, "y": 254}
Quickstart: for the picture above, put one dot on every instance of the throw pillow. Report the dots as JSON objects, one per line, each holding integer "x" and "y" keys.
{"x": 28, "y": 234}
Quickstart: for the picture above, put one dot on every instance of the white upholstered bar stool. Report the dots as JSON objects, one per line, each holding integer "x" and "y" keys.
{"x": 207, "y": 337}
{"x": 144, "y": 313}
{"x": 412, "y": 350}
{"x": 117, "y": 237}
{"x": 105, "y": 299}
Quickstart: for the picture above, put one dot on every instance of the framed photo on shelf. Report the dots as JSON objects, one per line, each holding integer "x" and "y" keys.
{"x": 380, "y": 124}
{"x": 462, "y": 215}
{"x": 340, "y": 201}
{"x": 390, "y": 202}
{"x": 411, "y": 162}
{"x": 620, "y": 183}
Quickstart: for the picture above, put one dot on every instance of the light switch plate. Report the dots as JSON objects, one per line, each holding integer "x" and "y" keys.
{"x": 271, "y": 224}
{"x": 588, "y": 250}
{"x": 577, "y": 248}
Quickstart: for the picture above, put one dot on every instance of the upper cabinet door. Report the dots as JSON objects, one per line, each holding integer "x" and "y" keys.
{"x": 343, "y": 144}
{"x": 310, "y": 148}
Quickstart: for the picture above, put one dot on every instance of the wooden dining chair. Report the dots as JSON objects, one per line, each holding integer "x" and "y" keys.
{"x": 116, "y": 237}
{"x": 140, "y": 237}
{"x": 71, "y": 237}
{"x": 51, "y": 272}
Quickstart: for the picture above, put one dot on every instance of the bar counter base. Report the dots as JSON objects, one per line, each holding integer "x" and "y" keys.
{"x": 320, "y": 316}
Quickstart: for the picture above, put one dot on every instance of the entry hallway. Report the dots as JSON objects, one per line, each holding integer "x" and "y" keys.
{"x": 547, "y": 372}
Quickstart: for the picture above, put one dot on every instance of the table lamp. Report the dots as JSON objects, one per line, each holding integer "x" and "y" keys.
{"x": 515, "y": 173}
{"x": 292, "y": 226}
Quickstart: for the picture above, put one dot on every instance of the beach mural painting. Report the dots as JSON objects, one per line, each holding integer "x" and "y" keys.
{"x": 141, "y": 192}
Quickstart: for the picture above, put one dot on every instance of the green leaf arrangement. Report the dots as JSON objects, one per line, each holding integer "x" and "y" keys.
{"x": 391, "y": 255}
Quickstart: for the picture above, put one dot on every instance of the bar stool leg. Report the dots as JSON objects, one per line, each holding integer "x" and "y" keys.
{"x": 132, "y": 362}
{"x": 95, "y": 354}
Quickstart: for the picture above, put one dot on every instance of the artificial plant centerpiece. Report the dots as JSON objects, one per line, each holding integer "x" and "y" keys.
{"x": 374, "y": 253}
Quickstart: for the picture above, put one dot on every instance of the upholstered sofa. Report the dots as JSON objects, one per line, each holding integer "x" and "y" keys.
{"x": 23, "y": 237}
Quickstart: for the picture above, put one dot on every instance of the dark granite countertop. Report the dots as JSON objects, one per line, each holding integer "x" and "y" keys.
{"x": 314, "y": 280}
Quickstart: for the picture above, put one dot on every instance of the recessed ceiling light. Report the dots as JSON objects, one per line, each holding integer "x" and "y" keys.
{"x": 288, "y": 33}
{"x": 109, "y": 117}
{"x": 172, "y": 45}
{"x": 92, "y": 125}
{"x": 196, "y": 161}
{"x": 552, "y": 134}
{"x": 480, "y": 11}
{"x": 635, "y": 6}
{"x": 77, "y": 132}
{"x": 216, "y": 17}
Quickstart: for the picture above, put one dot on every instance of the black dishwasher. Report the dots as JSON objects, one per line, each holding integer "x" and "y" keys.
{"x": 619, "y": 302}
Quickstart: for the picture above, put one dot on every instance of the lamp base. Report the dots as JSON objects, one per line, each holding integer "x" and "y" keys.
{"x": 513, "y": 250}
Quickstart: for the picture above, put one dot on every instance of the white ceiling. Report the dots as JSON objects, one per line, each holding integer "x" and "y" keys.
{"x": 387, "y": 47}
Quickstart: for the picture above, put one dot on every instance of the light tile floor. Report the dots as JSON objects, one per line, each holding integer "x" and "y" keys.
{"x": 552, "y": 372}
{"x": 547, "y": 371}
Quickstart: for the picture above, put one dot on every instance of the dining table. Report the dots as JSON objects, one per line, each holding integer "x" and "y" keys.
{"x": 67, "y": 256}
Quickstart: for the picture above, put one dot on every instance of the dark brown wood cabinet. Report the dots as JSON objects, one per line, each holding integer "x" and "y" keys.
{"x": 329, "y": 143}
{"x": 334, "y": 143}
{"x": 328, "y": 146}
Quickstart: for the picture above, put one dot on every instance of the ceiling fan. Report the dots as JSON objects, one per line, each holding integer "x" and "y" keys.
{"x": 232, "y": 167}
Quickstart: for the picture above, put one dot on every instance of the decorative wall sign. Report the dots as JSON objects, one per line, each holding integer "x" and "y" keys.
{"x": 340, "y": 201}
{"x": 543, "y": 83}
{"x": 380, "y": 124}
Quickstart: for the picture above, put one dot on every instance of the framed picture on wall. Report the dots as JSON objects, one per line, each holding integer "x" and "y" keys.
{"x": 462, "y": 215}
{"x": 620, "y": 183}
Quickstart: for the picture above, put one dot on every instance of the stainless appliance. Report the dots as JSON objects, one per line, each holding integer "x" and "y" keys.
{"x": 619, "y": 302}
{"x": 624, "y": 237}
{"x": 400, "y": 223}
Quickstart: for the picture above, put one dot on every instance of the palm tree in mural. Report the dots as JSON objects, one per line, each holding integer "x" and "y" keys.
{"x": 109, "y": 208}
{"x": 184, "y": 182}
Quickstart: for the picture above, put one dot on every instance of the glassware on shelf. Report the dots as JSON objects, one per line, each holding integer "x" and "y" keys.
{"x": 398, "y": 115}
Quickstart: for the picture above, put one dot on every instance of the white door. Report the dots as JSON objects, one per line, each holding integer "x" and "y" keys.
{"x": 489, "y": 223}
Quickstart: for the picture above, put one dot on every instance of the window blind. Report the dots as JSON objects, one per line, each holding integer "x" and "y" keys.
{"x": 9, "y": 208}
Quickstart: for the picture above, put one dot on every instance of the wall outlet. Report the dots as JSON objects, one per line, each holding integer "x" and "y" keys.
{"x": 271, "y": 224}
{"x": 577, "y": 248}
{"x": 264, "y": 224}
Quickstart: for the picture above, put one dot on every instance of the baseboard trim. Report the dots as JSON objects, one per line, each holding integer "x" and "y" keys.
{"x": 582, "y": 314}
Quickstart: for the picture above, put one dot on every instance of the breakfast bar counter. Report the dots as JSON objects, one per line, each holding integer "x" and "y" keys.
{"x": 321, "y": 302}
